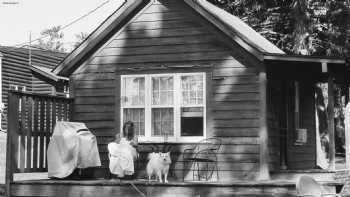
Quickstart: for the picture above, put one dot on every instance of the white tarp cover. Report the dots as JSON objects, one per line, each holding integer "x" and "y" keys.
{"x": 72, "y": 146}
{"x": 121, "y": 158}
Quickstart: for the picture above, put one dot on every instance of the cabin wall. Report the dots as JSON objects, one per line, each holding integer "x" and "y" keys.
{"x": 169, "y": 34}
{"x": 285, "y": 152}
{"x": 304, "y": 156}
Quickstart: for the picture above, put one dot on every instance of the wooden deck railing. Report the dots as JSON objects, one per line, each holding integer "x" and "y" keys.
{"x": 31, "y": 119}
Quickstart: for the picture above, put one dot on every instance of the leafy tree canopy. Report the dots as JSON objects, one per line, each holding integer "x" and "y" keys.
{"x": 52, "y": 39}
{"x": 309, "y": 27}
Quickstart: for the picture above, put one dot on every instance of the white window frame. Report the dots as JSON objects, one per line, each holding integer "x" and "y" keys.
{"x": 177, "y": 138}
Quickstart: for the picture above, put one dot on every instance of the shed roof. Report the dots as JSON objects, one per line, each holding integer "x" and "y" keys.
{"x": 46, "y": 72}
{"x": 43, "y": 60}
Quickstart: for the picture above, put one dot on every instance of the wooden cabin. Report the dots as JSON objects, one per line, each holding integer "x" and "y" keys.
{"x": 183, "y": 71}
{"x": 28, "y": 71}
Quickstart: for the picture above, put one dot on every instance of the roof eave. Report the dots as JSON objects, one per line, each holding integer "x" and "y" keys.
{"x": 299, "y": 58}
{"x": 223, "y": 21}
{"x": 65, "y": 67}
{"x": 51, "y": 76}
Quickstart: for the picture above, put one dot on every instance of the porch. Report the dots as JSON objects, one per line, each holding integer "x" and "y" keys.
{"x": 141, "y": 187}
{"x": 26, "y": 166}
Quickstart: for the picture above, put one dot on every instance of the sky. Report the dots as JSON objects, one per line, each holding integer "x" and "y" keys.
{"x": 20, "y": 17}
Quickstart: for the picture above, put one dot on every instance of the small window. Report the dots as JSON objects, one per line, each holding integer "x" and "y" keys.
{"x": 17, "y": 87}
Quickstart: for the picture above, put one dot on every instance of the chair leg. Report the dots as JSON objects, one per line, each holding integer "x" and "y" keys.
{"x": 183, "y": 172}
{"x": 217, "y": 171}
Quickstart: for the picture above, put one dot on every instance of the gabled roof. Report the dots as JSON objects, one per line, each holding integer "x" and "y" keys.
{"x": 94, "y": 39}
{"x": 235, "y": 28}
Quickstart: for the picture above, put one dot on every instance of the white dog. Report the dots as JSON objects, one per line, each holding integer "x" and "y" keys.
{"x": 158, "y": 164}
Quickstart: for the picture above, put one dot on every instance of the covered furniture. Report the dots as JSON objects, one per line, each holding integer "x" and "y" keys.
{"x": 72, "y": 146}
{"x": 203, "y": 159}
{"x": 121, "y": 158}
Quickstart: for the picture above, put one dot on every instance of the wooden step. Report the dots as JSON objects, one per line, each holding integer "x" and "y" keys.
{"x": 317, "y": 174}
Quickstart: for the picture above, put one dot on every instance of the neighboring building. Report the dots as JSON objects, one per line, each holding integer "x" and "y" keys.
{"x": 17, "y": 74}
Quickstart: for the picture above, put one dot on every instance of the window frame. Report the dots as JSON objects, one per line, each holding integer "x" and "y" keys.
{"x": 177, "y": 105}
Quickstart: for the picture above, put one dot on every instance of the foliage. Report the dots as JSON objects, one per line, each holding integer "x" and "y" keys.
{"x": 51, "y": 39}
{"x": 309, "y": 27}
{"x": 80, "y": 38}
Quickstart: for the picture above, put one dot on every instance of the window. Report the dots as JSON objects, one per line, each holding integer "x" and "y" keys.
{"x": 17, "y": 87}
{"x": 165, "y": 106}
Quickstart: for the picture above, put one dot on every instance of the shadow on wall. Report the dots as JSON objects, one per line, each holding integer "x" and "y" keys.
{"x": 166, "y": 35}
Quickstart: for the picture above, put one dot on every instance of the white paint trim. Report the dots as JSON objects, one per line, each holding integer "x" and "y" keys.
{"x": 176, "y": 106}
{"x": 1, "y": 104}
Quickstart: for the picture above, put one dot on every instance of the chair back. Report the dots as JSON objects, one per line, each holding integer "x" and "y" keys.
{"x": 307, "y": 186}
{"x": 213, "y": 144}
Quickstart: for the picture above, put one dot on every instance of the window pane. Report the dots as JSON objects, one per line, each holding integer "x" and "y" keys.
{"x": 137, "y": 116}
{"x": 192, "y": 121}
{"x": 162, "y": 122}
{"x": 162, "y": 90}
{"x": 192, "y": 89}
{"x": 134, "y": 91}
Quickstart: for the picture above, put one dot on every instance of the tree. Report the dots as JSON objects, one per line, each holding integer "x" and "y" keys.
{"x": 310, "y": 27}
{"x": 51, "y": 39}
{"x": 80, "y": 38}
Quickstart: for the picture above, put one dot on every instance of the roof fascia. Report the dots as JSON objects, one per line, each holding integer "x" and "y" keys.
{"x": 96, "y": 37}
{"x": 304, "y": 59}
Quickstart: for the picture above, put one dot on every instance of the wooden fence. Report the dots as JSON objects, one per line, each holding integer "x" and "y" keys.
{"x": 31, "y": 120}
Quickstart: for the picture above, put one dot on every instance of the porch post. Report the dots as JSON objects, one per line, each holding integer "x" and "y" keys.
{"x": 347, "y": 136}
{"x": 263, "y": 135}
{"x": 1, "y": 105}
{"x": 331, "y": 123}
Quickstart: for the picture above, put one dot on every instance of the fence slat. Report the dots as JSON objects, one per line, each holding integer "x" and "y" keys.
{"x": 35, "y": 130}
{"x": 30, "y": 116}
{"x": 31, "y": 124}
{"x": 41, "y": 130}
{"x": 53, "y": 114}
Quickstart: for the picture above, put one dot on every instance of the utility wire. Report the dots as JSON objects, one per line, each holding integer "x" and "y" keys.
{"x": 67, "y": 25}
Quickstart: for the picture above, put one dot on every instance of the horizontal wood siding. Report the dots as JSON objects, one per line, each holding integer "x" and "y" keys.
{"x": 304, "y": 156}
{"x": 16, "y": 71}
{"x": 172, "y": 36}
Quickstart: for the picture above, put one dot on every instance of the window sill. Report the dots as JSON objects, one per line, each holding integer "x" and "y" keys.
{"x": 183, "y": 140}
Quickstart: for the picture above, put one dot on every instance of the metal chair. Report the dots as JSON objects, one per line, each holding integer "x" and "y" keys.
{"x": 203, "y": 157}
{"x": 308, "y": 187}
